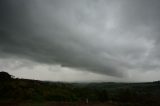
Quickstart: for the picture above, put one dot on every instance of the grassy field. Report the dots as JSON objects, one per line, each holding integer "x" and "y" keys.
{"x": 75, "y": 104}
{"x": 55, "y": 104}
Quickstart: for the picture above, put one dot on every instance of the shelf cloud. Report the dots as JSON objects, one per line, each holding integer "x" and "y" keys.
{"x": 107, "y": 37}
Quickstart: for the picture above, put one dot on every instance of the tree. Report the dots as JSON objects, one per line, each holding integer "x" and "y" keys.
{"x": 5, "y": 76}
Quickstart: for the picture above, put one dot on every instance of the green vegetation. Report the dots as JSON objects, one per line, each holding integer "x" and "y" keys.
{"x": 13, "y": 89}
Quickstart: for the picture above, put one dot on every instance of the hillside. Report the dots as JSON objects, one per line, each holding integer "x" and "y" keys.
{"x": 124, "y": 94}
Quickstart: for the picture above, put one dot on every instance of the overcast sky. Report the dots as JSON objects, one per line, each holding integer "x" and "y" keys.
{"x": 81, "y": 40}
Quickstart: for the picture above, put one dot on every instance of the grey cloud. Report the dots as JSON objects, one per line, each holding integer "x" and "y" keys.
{"x": 106, "y": 37}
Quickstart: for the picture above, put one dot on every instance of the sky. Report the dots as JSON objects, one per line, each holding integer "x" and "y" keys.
{"x": 81, "y": 40}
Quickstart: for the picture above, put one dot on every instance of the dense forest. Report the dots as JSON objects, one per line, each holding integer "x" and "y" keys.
{"x": 121, "y": 94}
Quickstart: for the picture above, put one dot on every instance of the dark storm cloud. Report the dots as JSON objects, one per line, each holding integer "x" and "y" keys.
{"x": 107, "y": 37}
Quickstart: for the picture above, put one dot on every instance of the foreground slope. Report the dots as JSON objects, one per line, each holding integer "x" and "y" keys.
{"x": 24, "y": 91}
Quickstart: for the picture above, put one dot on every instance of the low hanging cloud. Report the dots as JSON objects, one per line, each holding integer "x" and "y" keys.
{"x": 105, "y": 37}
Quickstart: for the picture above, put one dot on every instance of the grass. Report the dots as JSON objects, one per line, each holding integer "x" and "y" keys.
{"x": 55, "y": 104}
